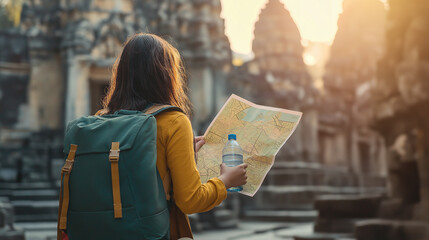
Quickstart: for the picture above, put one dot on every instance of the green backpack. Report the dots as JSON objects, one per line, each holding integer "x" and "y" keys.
{"x": 110, "y": 186}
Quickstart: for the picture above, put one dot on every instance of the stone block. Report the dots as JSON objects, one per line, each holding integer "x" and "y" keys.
{"x": 394, "y": 208}
{"x": 334, "y": 178}
{"x": 335, "y": 225}
{"x": 378, "y": 229}
{"x": 296, "y": 177}
{"x": 372, "y": 181}
{"x": 281, "y": 215}
{"x": 347, "y": 206}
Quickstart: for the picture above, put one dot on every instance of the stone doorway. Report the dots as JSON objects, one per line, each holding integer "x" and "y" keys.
{"x": 99, "y": 80}
{"x": 98, "y": 90}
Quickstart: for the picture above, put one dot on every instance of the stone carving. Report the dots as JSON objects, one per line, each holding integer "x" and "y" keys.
{"x": 111, "y": 35}
{"x": 78, "y": 36}
{"x": 399, "y": 113}
{"x": 64, "y": 53}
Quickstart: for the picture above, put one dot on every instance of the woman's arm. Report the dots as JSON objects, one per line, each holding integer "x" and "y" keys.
{"x": 190, "y": 194}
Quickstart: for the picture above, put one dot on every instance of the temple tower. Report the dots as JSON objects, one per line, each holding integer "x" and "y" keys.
{"x": 278, "y": 54}
{"x": 277, "y": 44}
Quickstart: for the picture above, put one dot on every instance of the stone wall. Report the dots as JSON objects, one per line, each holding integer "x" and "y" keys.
{"x": 14, "y": 77}
{"x": 72, "y": 44}
{"x": 401, "y": 99}
{"x": 349, "y": 72}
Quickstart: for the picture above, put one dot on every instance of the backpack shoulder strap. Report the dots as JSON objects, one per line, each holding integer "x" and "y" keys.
{"x": 64, "y": 191}
{"x": 159, "y": 108}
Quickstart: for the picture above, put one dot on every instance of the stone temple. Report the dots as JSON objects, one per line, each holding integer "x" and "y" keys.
{"x": 76, "y": 42}
{"x": 365, "y": 125}
{"x": 56, "y": 67}
{"x": 316, "y": 160}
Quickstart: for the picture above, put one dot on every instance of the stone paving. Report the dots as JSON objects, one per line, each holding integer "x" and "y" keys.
{"x": 258, "y": 231}
{"x": 249, "y": 230}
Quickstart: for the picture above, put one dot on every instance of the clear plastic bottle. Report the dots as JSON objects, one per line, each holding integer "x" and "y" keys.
{"x": 232, "y": 155}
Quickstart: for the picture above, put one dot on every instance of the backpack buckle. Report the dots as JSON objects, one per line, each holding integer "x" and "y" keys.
{"x": 114, "y": 155}
{"x": 67, "y": 166}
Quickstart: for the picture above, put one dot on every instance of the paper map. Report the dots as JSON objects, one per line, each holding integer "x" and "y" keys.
{"x": 261, "y": 132}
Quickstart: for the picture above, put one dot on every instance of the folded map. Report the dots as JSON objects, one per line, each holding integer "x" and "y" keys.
{"x": 261, "y": 132}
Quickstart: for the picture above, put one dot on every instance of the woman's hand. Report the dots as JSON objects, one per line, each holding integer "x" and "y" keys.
{"x": 233, "y": 176}
{"x": 199, "y": 142}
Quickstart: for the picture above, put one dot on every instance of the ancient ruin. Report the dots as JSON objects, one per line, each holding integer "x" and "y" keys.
{"x": 281, "y": 77}
{"x": 399, "y": 113}
{"x": 315, "y": 161}
{"x": 55, "y": 66}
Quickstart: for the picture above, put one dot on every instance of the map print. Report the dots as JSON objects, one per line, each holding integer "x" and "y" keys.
{"x": 261, "y": 132}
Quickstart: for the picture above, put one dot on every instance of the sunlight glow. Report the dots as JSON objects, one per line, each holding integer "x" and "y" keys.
{"x": 309, "y": 59}
{"x": 316, "y": 20}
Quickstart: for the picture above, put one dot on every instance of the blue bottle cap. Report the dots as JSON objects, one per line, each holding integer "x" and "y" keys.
{"x": 232, "y": 136}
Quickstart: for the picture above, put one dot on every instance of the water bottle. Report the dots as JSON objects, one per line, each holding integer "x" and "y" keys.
{"x": 232, "y": 155}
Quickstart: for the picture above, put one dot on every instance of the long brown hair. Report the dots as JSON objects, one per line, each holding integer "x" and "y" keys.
{"x": 149, "y": 70}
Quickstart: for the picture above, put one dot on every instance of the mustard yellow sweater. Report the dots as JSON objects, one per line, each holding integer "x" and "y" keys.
{"x": 175, "y": 152}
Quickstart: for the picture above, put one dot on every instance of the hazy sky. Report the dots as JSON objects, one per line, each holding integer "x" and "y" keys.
{"x": 316, "y": 20}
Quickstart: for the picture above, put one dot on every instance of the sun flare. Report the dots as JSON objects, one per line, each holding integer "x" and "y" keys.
{"x": 316, "y": 20}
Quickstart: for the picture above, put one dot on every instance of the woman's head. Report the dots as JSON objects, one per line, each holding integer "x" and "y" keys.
{"x": 149, "y": 70}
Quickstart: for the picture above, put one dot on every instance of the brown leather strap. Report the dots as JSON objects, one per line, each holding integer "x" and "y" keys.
{"x": 180, "y": 226}
{"x": 114, "y": 160}
{"x": 155, "y": 108}
{"x": 64, "y": 190}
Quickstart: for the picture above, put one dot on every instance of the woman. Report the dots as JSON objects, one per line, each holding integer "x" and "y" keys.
{"x": 150, "y": 70}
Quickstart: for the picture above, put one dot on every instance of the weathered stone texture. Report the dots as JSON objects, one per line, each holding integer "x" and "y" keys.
{"x": 351, "y": 68}
{"x": 400, "y": 102}
{"x": 13, "y": 77}
{"x": 378, "y": 229}
{"x": 76, "y": 39}
{"x": 277, "y": 44}
{"x": 57, "y": 66}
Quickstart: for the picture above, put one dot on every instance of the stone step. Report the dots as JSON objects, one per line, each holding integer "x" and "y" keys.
{"x": 218, "y": 218}
{"x": 296, "y": 197}
{"x": 306, "y": 177}
{"x": 281, "y": 215}
{"x": 27, "y": 185}
{"x": 37, "y": 226}
{"x": 37, "y": 194}
{"x": 321, "y": 177}
{"x": 27, "y": 210}
{"x": 324, "y": 236}
{"x": 348, "y": 206}
{"x": 8, "y": 234}
{"x": 296, "y": 165}
{"x": 379, "y": 229}
{"x": 335, "y": 225}
{"x": 39, "y": 230}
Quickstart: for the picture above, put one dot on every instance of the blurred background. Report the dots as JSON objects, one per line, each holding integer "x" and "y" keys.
{"x": 356, "y": 168}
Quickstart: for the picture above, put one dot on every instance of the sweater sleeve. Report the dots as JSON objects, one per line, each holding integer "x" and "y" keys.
{"x": 190, "y": 195}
